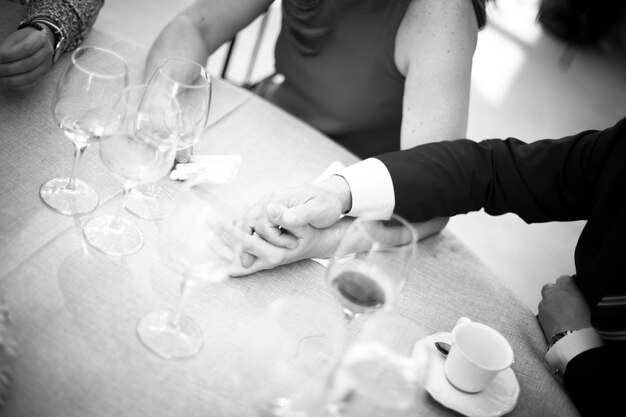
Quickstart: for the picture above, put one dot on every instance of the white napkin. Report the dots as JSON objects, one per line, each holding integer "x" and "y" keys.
{"x": 211, "y": 169}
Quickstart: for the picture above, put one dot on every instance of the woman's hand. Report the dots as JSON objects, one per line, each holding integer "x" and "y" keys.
{"x": 311, "y": 242}
{"x": 25, "y": 56}
{"x": 562, "y": 307}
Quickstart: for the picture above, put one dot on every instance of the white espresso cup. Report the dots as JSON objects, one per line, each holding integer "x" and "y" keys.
{"x": 477, "y": 354}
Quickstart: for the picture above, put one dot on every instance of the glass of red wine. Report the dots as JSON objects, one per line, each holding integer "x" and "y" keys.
{"x": 371, "y": 264}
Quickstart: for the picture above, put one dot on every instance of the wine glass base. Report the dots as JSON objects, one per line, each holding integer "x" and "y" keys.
{"x": 158, "y": 333}
{"x": 155, "y": 204}
{"x": 82, "y": 199}
{"x": 113, "y": 236}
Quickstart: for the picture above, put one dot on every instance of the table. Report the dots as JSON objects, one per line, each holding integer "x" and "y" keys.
{"x": 74, "y": 310}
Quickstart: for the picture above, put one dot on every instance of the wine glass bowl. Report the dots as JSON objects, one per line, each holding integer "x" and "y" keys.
{"x": 81, "y": 106}
{"x": 140, "y": 149}
{"x": 190, "y": 84}
{"x": 371, "y": 264}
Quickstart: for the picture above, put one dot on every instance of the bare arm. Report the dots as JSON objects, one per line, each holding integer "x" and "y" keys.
{"x": 196, "y": 32}
{"x": 434, "y": 49}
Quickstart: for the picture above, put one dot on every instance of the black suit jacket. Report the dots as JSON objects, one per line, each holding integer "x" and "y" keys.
{"x": 580, "y": 177}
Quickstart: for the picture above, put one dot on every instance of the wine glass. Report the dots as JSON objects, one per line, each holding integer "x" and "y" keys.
{"x": 293, "y": 375}
{"x": 199, "y": 242}
{"x": 190, "y": 84}
{"x": 378, "y": 369}
{"x": 141, "y": 148}
{"x": 371, "y": 264}
{"x": 81, "y": 105}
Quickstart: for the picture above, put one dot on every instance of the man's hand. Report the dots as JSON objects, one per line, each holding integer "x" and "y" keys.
{"x": 319, "y": 206}
{"x": 562, "y": 307}
{"x": 25, "y": 56}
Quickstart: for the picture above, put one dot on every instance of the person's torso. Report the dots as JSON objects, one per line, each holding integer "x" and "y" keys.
{"x": 601, "y": 248}
{"x": 350, "y": 89}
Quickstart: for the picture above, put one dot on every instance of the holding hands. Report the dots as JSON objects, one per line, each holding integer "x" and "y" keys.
{"x": 296, "y": 223}
{"x": 303, "y": 222}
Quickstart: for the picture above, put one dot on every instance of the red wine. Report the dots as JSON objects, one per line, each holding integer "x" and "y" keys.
{"x": 359, "y": 289}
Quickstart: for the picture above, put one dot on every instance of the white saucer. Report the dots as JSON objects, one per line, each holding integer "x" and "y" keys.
{"x": 499, "y": 398}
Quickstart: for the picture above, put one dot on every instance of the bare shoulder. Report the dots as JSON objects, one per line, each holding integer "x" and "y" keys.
{"x": 429, "y": 26}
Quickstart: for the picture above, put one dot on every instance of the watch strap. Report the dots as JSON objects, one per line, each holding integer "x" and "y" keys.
{"x": 559, "y": 336}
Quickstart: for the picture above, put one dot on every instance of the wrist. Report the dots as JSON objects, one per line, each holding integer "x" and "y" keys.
{"x": 54, "y": 33}
{"x": 50, "y": 35}
{"x": 340, "y": 190}
{"x": 568, "y": 345}
{"x": 45, "y": 30}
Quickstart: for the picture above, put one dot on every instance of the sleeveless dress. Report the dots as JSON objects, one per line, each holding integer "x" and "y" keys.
{"x": 350, "y": 89}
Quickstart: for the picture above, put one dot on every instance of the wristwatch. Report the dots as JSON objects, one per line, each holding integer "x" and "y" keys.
{"x": 558, "y": 336}
{"x": 44, "y": 25}
{"x": 563, "y": 349}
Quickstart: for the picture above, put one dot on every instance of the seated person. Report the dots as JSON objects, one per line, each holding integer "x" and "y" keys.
{"x": 581, "y": 177}
{"x": 48, "y": 29}
{"x": 353, "y": 69}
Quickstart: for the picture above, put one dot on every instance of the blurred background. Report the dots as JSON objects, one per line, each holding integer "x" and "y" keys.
{"x": 526, "y": 83}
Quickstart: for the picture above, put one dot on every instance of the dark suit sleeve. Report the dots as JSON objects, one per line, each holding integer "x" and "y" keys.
{"x": 547, "y": 180}
{"x": 596, "y": 381}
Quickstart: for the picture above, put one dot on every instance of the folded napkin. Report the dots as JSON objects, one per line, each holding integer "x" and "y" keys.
{"x": 211, "y": 169}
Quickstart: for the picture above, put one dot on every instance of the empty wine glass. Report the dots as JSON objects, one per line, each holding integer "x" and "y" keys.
{"x": 293, "y": 375}
{"x": 141, "y": 148}
{"x": 199, "y": 242}
{"x": 81, "y": 105}
{"x": 371, "y": 264}
{"x": 190, "y": 84}
{"x": 378, "y": 370}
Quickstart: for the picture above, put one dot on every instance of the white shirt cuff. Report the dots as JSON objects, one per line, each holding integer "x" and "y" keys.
{"x": 568, "y": 347}
{"x": 372, "y": 189}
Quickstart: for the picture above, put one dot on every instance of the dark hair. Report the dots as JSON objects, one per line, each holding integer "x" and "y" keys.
{"x": 481, "y": 12}
{"x": 309, "y": 21}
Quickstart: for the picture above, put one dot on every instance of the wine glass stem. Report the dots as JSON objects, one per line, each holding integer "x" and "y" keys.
{"x": 79, "y": 149}
{"x": 184, "y": 291}
{"x": 150, "y": 189}
{"x": 118, "y": 216}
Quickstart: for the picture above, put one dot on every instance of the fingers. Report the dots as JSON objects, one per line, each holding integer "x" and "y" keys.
{"x": 23, "y": 44}
{"x": 258, "y": 254}
{"x": 547, "y": 288}
{"x": 564, "y": 280}
{"x": 247, "y": 259}
{"x": 264, "y": 221}
{"x": 561, "y": 281}
{"x": 317, "y": 214}
{"x": 26, "y": 72}
{"x": 271, "y": 229}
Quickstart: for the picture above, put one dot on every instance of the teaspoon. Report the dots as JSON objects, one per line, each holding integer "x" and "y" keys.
{"x": 443, "y": 348}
